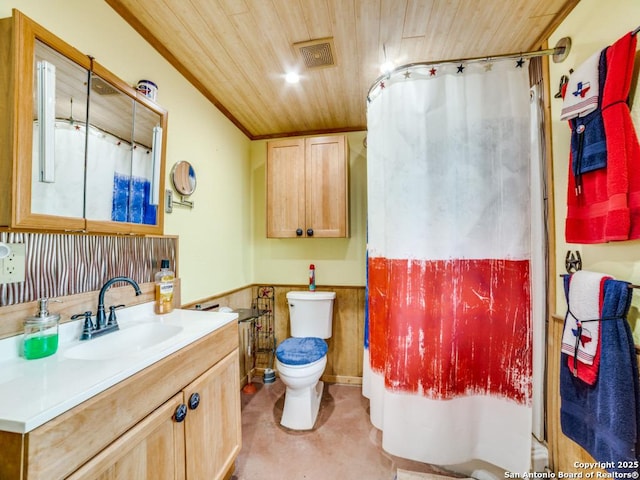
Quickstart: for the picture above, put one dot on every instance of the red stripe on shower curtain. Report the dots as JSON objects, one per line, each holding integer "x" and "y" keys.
{"x": 445, "y": 328}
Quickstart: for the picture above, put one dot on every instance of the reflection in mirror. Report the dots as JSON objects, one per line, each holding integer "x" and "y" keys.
{"x": 57, "y": 183}
{"x": 109, "y": 152}
{"x": 183, "y": 177}
{"x": 123, "y": 157}
{"x": 147, "y": 158}
{"x": 107, "y": 145}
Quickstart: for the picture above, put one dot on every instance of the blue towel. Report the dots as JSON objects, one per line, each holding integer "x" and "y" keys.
{"x": 588, "y": 140}
{"x": 604, "y": 418}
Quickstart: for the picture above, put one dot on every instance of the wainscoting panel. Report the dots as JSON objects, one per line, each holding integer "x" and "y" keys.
{"x": 344, "y": 359}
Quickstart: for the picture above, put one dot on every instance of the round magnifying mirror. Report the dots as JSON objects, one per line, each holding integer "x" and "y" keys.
{"x": 183, "y": 177}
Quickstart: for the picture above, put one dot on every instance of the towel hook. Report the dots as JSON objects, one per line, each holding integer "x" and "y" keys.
{"x": 573, "y": 261}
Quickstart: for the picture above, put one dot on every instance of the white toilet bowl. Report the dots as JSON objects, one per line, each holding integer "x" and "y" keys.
{"x": 303, "y": 388}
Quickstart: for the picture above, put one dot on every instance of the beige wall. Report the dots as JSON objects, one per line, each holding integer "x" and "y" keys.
{"x": 592, "y": 25}
{"x": 286, "y": 261}
{"x": 215, "y": 237}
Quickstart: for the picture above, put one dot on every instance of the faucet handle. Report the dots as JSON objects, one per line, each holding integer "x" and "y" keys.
{"x": 87, "y": 327}
{"x": 112, "y": 315}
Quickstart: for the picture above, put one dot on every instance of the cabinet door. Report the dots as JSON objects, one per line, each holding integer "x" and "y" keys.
{"x": 109, "y": 157}
{"x": 153, "y": 449}
{"x": 48, "y": 189}
{"x": 213, "y": 429}
{"x": 124, "y": 158}
{"x": 327, "y": 186}
{"x": 285, "y": 188}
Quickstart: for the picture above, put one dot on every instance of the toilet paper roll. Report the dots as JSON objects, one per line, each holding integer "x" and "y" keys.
{"x": 5, "y": 250}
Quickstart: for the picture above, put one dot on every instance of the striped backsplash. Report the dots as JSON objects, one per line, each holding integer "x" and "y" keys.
{"x": 66, "y": 264}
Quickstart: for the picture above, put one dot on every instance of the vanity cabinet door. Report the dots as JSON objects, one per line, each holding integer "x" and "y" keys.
{"x": 153, "y": 449}
{"x": 213, "y": 428}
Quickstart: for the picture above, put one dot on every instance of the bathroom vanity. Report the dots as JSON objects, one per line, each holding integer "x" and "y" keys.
{"x": 169, "y": 408}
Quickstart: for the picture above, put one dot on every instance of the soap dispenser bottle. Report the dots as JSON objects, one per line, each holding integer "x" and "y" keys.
{"x": 41, "y": 333}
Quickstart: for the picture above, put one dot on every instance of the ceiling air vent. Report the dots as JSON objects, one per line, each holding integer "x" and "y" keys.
{"x": 317, "y": 53}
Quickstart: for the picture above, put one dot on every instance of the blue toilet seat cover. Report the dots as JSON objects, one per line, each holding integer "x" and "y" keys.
{"x": 300, "y": 351}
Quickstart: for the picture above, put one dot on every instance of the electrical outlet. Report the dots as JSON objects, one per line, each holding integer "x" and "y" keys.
{"x": 12, "y": 268}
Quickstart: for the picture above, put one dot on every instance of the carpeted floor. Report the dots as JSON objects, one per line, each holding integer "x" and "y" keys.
{"x": 343, "y": 443}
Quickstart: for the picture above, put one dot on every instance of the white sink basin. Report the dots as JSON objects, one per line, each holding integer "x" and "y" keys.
{"x": 127, "y": 342}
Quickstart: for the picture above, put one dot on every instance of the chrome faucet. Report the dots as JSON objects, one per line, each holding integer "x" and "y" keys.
{"x": 89, "y": 330}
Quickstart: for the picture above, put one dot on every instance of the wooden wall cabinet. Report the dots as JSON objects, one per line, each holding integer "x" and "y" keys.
{"x": 101, "y": 127}
{"x": 308, "y": 187}
{"x": 131, "y": 430}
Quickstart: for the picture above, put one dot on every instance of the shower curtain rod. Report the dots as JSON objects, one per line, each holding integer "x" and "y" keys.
{"x": 559, "y": 52}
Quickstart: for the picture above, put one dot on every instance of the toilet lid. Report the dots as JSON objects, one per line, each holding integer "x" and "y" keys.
{"x": 300, "y": 351}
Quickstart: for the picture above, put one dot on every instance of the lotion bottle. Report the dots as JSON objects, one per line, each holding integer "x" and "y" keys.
{"x": 164, "y": 288}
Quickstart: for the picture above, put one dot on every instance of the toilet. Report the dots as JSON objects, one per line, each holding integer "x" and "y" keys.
{"x": 301, "y": 359}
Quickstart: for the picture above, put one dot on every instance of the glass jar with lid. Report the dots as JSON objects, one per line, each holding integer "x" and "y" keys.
{"x": 41, "y": 333}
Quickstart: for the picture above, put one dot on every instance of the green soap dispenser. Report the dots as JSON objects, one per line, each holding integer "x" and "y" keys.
{"x": 41, "y": 333}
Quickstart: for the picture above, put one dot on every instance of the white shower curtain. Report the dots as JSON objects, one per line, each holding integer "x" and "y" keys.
{"x": 448, "y": 347}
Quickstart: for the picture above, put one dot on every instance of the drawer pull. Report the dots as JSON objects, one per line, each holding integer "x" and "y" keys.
{"x": 194, "y": 401}
{"x": 180, "y": 413}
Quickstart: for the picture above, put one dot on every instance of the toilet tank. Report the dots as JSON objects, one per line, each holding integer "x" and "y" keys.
{"x": 311, "y": 313}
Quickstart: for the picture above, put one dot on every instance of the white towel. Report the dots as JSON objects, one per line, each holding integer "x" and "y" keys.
{"x": 584, "y": 304}
{"x": 581, "y": 95}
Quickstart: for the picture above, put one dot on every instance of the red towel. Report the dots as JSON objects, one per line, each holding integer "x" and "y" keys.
{"x": 588, "y": 373}
{"x": 608, "y": 207}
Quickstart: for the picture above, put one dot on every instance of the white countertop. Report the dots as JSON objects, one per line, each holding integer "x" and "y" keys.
{"x": 33, "y": 392}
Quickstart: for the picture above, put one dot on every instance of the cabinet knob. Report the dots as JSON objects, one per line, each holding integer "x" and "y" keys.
{"x": 299, "y": 232}
{"x": 309, "y": 232}
{"x": 194, "y": 401}
{"x": 180, "y": 413}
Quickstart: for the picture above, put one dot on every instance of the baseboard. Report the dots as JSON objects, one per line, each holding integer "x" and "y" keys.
{"x": 341, "y": 379}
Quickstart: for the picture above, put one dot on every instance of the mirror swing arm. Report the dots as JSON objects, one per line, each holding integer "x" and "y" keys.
{"x": 170, "y": 201}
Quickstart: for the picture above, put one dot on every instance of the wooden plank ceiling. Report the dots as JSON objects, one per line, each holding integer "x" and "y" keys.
{"x": 236, "y": 52}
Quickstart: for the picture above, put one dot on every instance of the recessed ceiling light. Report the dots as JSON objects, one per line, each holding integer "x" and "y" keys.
{"x": 292, "y": 77}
